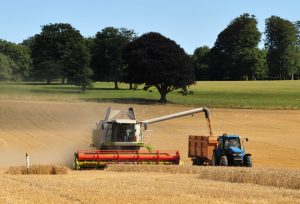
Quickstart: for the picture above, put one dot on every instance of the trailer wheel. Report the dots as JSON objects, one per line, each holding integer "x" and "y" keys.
{"x": 213, "y": 161}
{"x": 223, "y": 161}
{"x": 248, "y": 161}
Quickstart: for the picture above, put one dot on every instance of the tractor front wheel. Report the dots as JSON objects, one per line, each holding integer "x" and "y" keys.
{"x": 248, "y": 161}
{"x": 223, "y": 161}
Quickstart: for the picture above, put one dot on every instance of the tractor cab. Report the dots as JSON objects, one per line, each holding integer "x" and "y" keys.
{"x": 229, "y": 141}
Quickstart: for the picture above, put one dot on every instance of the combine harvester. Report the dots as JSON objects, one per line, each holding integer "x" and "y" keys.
{"x": 118, "y": 139}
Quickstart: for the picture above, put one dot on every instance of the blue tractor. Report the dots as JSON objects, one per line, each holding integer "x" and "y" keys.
{"x": 230, "y": 152}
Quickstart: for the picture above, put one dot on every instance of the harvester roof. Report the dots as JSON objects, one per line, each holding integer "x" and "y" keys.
{"x": 123, "y": 121}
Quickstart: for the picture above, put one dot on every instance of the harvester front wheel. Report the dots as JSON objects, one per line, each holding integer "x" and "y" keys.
{"x": 248, "y": 161}
{"x": 75, "y": 163}
{"x": 223, "y": 161}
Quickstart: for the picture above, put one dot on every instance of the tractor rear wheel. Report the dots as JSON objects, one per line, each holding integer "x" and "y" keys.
{"x": 223, "y": 161}
{"x": 248, "y": 161}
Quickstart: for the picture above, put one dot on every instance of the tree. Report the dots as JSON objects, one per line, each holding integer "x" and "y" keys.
{"x": 106, "y": 61}
{"x": 200, "y": 60}
{"x": 158, "y": 61}
{"x": 60, "y": 52}
{"x": 20, "y": 55}
{"x": 6, "y": 67}
{"x": 281, "y": 42}
{"x": 234, "y": 54}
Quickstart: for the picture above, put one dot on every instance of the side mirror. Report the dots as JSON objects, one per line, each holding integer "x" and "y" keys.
{"x": 218, "y": 139}
{"x": 246, "y": 139}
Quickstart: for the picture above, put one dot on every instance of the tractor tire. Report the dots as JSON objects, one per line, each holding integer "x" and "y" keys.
{"x": 248, "y": 161}
{"x": 223, "y": 161}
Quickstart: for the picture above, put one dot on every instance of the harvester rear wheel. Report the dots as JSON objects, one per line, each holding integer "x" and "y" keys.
{"x": 223, "y": 161}
{"x": 248, "y": 161}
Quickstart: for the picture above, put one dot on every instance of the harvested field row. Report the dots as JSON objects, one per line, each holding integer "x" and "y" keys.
{"x": 38, "y": 169}
{"x": 283, "y": 178}
{"x": 138, "y": 187}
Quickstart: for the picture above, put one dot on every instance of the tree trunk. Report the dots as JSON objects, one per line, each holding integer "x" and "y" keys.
{"x": 48, "y": 81}
{"x": 63, "y": 80}
{"x": 116, "y": 85}
{"x": 163, "y": 98}
{"x": 83, "y": 88}
{"x": 130, "y": 86}
{"x": 163, "y": 91}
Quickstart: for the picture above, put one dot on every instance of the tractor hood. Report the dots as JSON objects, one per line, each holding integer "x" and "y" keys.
{"x": 235, "y": 150}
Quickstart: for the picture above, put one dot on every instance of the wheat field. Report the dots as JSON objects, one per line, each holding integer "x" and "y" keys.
{"x": 50, "y": 132}
{"x": 136, "y": 187}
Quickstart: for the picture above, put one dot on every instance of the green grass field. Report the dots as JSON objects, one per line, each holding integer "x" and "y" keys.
{"x": 229, "y": 94}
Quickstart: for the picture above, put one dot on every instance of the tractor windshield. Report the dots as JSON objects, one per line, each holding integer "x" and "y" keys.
{"x": 232, "y": 142}
{"x": 123, "y": 132}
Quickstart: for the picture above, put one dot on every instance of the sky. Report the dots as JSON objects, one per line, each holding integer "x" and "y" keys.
{"x": 191, "y": 23}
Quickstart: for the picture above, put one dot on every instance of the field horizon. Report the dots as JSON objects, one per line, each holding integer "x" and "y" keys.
{"x": 274, "y": 95}
{"x": 51, "y": 123}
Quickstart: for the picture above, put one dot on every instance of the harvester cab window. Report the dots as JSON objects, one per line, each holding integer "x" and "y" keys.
{"x": 232, "y": 142}
{"x": 123, "y": 132}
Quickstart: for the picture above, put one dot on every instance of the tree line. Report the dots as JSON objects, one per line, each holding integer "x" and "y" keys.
{"x": 236, "y": 54}
{"x": 60, "y": 53}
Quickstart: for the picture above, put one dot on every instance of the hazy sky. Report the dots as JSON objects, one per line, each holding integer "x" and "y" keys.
{"x": 191, "y": 23}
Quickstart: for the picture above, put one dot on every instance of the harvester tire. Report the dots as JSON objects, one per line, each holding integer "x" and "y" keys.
{"x": 75, "y": 163}
{"x": 223, "y": 161}
{"x": 248, "y": 161}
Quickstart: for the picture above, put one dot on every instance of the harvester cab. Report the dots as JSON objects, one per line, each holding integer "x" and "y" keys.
{"x": 118, "y": 131}
{"x": 230, "y": 152}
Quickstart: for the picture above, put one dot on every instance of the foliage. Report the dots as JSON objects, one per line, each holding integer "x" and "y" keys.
{"x": 107, "y": 48}
{"x": 158, "y": 61}
{"x": 20, "y": 55}
{"x": 60, "y": 51}
{"x": 234, "y": 55}
{"x": 200, "y": 60}
{"x": 281, "y": 43}
{"x": 6, "y": 67}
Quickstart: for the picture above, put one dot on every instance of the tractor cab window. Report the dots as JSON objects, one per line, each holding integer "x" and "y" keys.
{"x": 232, "y": 142}
{"x": 123, "y": 132}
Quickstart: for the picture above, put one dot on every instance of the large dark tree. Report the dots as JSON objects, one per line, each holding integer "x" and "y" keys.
{"x": 107, "y": 49}
{"x": 158, "y": 61}
{"x": 234, "y": 55}
{"x": 200, "y": 60}
{"x": 60, "y": 52}
{"x": 281, "y": 43}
